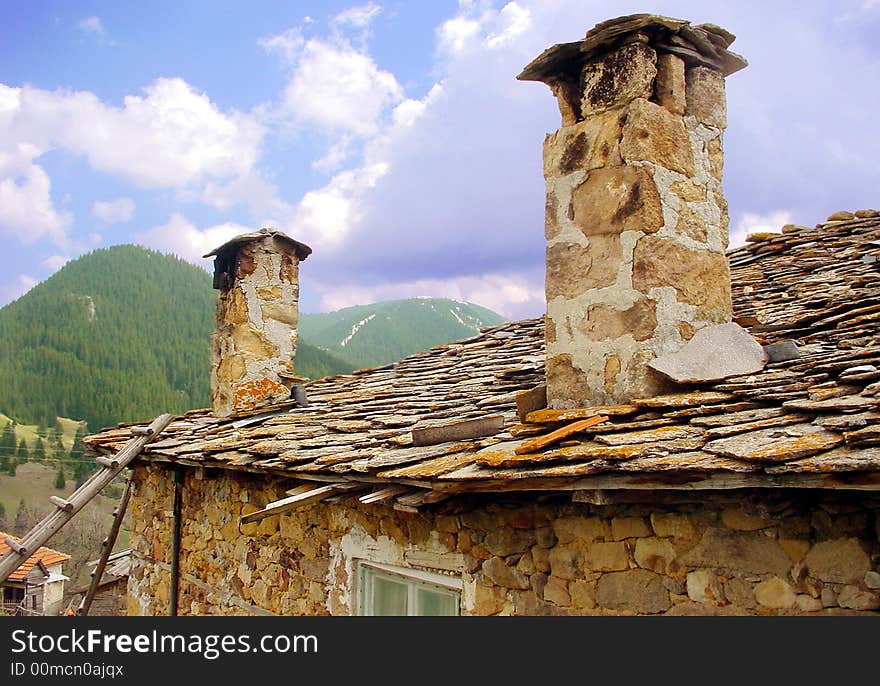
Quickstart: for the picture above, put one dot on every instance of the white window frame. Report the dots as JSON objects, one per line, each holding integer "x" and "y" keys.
{"x": 413, "y": 578}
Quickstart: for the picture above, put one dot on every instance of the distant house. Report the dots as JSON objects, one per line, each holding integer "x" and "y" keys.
{"x": 37, "y": 586}
{"x": 687, "y": 430}
{"x": 109, "y": 598}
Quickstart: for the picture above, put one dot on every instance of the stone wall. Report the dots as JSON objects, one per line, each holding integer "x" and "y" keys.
{"x": 254, "y": 343}
{"x": 735, "y": 553}
{"x": 636, "y": 222}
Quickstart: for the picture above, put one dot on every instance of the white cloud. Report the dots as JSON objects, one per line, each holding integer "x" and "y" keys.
{"x": 750, "y": 222}
{"x": 325, "y": 216}
{"x": 338, "y": 89}
{"x": 181, "y": 237}
{"x": 506, "y": 294}
{"x": 92, "y": 25}
{"x": 512, "y": 21}
{"x": 113, "y": 211}
{"x": 26, "y": 208}
{"x": 359, "y": 16}
{"x": 456, "y": 34}
{"x": 172, "y": 136}
{"x": 286, "y": 44}
{"x": 54, "y": 262}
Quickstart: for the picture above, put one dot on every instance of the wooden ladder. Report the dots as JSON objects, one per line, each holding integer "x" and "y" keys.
{"x": 65, "y": 509}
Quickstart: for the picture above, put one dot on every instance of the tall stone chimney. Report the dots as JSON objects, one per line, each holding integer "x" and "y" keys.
{"x": 254, "y": 343}
{"x": 636, "y": 221}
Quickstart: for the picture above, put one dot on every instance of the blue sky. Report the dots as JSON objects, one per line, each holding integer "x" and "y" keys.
{"x": 392, "y": 137}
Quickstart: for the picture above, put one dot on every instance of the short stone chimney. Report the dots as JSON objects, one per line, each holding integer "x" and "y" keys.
{"x": 254, "y": 343}
{"x": 636, "y": 221}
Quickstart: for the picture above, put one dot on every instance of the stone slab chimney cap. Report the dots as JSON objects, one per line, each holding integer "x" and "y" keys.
{"x": 301, "y": 249}
{"x": 703, "y": 45}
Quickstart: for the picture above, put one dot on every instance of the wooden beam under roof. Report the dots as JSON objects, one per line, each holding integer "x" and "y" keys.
{"x": 303, "y": 497}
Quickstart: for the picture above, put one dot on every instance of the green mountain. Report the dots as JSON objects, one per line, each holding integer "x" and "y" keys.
{"x": 370, "y": 335}
{"x": 123, "y": 333}
{"x": 119, "y": 334}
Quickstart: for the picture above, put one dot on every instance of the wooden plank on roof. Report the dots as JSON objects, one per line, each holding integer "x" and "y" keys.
{"x": 541, "y": 442}
{"x": 433, "y": 433}
{"x": 382, "y": 494}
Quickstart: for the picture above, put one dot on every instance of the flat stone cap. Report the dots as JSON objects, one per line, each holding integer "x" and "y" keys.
{"x": 301, "y": 249}
{"x": 703, "y": 45}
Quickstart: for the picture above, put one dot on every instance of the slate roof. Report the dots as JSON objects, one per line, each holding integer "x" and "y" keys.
{"x": 43, "y": 555}
{"x": 812, "y": 421}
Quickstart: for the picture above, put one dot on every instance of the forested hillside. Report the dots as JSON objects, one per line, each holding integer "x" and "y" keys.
{"x": 384, "y": 332}
{"x": 123, "y": 333}
{"x": 119, "y": 334}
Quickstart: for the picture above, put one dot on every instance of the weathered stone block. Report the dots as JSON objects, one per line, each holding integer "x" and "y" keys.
{"x": 281, "y": 312}
{"x": 447, "y": 523}
{"x": 589, "y": 144}
{"x": 775, "y": 593}
{"x": 570, "y": 529}
{"x": 689, "y": 191}
{"x": 566, "y": 384}
{"x": 704, "y": 586}
{"x": 526, "y": 564}
{"x": 605, "y": 557}
{"x": 538, "y": 581}
{"x": 497, "y": 571}
{"x": 506, "y": 541}
{"x": 669, "y": 86}
{"x": 488, "y": 600}
{"x": 655, "y": 554}
{"x": 617, "y": 199}
{"x": 531, "y": 400}
{"x": 855, "y": 598}
{"x": 529, "y": 605}
{"x": 545, "y": 536}
{"x": 751, "y": 553}
{"x": 582, "y": 594}
{"x": 653, "y": 134}
{"x": 603, "y": 322}
{"x": 841, "y": 561}
{"x": 565, "y": 562}
{"x": 735, "y": 518}
{"x": 573, "y": 269}
{"x": 806, "y": 603}
{"x": 556, "y": 591}
{"x": 740, "y": 592}
{"x": 699, "y": 277}
{"x": 706, "y": 98}
{"x": 637, "y": 590}
{"x": 673, "y": 525}
{"x": 618, "y": 77}
{"x": 691, "y": 224}
{"x": 629, "y": 527}
{"x": 541, "y": 558}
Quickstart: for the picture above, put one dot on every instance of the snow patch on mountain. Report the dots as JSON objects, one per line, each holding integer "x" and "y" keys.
{"x": 354, "y": 330}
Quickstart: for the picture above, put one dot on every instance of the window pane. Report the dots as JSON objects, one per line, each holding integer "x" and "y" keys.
{"x": 431, "y": 603}
{"x": 389, "y": 597}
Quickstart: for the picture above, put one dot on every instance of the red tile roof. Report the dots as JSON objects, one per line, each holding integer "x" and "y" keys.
{"x": 45, "y": 555}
